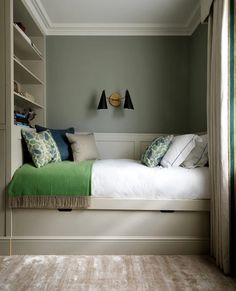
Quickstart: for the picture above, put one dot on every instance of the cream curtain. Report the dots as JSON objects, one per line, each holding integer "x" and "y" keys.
{"x": 218, "y": 130}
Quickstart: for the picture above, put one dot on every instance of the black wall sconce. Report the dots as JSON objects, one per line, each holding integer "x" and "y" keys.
{"x": 115, "y": 100}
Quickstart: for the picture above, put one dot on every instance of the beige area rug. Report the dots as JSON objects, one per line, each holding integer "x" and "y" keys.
{"x": 107, "y": 273}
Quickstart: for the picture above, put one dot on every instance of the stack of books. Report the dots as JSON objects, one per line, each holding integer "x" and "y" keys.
{"x": 21, "y": 119}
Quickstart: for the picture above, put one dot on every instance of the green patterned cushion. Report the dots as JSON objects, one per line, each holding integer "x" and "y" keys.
{"x": 41, "y": 147}
{"x": 156, "y": 150}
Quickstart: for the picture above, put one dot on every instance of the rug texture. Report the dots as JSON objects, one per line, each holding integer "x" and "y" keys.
{"x": 108, "y": 273}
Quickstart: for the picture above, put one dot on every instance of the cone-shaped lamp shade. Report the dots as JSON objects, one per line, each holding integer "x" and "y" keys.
{"x": 128, "y": 102}
{"x": 103, "y": 101}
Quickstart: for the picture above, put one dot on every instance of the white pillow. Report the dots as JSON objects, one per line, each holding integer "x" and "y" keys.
{"x": 83, "y": 146}
{"x": 178, "y": 151}
{"x": 199, "y": 155}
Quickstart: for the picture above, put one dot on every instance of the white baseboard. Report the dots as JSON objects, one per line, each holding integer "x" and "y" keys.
{"x": 105, "y": 246}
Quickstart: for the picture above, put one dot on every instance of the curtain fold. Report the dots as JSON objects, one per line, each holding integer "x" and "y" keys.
{"x": 218, "y": 130}
{"x": 232, "y": 134}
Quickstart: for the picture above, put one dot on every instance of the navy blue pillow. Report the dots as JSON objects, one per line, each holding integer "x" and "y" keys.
{"x": 61, "y": 140}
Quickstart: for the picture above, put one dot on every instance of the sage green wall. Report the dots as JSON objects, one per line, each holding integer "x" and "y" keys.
{"x": 154, "y": 69}
{"x": 198, "y": 80}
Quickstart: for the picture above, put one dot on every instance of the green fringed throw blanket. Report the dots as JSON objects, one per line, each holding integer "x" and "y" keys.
{"x": 57, "y": 185}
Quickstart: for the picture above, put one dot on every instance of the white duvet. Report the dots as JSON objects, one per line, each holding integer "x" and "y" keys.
{"x": 131, "y": 180}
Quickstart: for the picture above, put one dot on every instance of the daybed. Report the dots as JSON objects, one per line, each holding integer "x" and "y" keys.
{"x": 60, "y": 185}
{"x": 145, "y": 223}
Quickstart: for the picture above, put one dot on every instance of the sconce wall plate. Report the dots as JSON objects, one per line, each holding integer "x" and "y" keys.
{"x": 115, "y": 99}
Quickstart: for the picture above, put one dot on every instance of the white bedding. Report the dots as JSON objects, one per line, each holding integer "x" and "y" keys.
{"x": 130, "y": 179}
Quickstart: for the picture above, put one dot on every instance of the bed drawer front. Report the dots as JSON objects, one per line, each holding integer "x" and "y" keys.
{"x": 27, "y": 222}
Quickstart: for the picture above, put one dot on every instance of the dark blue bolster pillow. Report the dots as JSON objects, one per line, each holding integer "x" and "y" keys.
{"x": 61, "y": 140}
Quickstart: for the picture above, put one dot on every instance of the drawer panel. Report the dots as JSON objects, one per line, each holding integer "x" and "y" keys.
{"x": 40, "y": 222}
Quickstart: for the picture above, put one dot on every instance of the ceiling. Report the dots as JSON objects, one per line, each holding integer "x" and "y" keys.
{"x": 120, "y": 17}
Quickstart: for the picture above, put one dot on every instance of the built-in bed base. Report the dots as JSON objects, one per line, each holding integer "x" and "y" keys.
{"x": 112, "y": 226}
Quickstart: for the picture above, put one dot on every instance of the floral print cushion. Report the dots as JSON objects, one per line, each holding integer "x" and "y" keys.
{"x": 41, "y": 147}
{"x": 156, "y": 150}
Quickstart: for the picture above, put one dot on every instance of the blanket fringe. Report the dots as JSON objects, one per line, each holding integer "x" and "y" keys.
{"x": 49, "y": 202}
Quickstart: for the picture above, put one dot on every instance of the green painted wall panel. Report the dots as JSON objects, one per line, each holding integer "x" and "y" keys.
{"x": 156, "y": 70}
{"x": 198, "y": 80}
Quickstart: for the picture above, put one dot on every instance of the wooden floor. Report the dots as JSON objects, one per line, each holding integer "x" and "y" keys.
{"x": 101, "y": 273}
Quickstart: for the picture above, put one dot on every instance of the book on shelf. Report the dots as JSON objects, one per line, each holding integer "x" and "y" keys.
{"x": 21, "y": 118}
{"x": 20, "y": 115}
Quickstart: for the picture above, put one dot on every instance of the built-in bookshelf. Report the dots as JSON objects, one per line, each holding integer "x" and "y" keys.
{"x": 22, "y": 88}
{"x": 28, "y": 64}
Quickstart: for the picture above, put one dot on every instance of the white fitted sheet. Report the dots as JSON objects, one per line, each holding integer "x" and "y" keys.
{"x": 129, "y": 179}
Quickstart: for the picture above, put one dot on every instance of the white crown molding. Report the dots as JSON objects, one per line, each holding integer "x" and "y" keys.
{"x": 39, "y": 14}
{"x": 117, "y": 29}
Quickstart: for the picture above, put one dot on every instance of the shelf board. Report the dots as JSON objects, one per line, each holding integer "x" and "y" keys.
{"x": 25, "y": 102}
{"x": 19, "y": 127}
{"x": 23, "y": 47}
{"x": 23, "y": 75}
